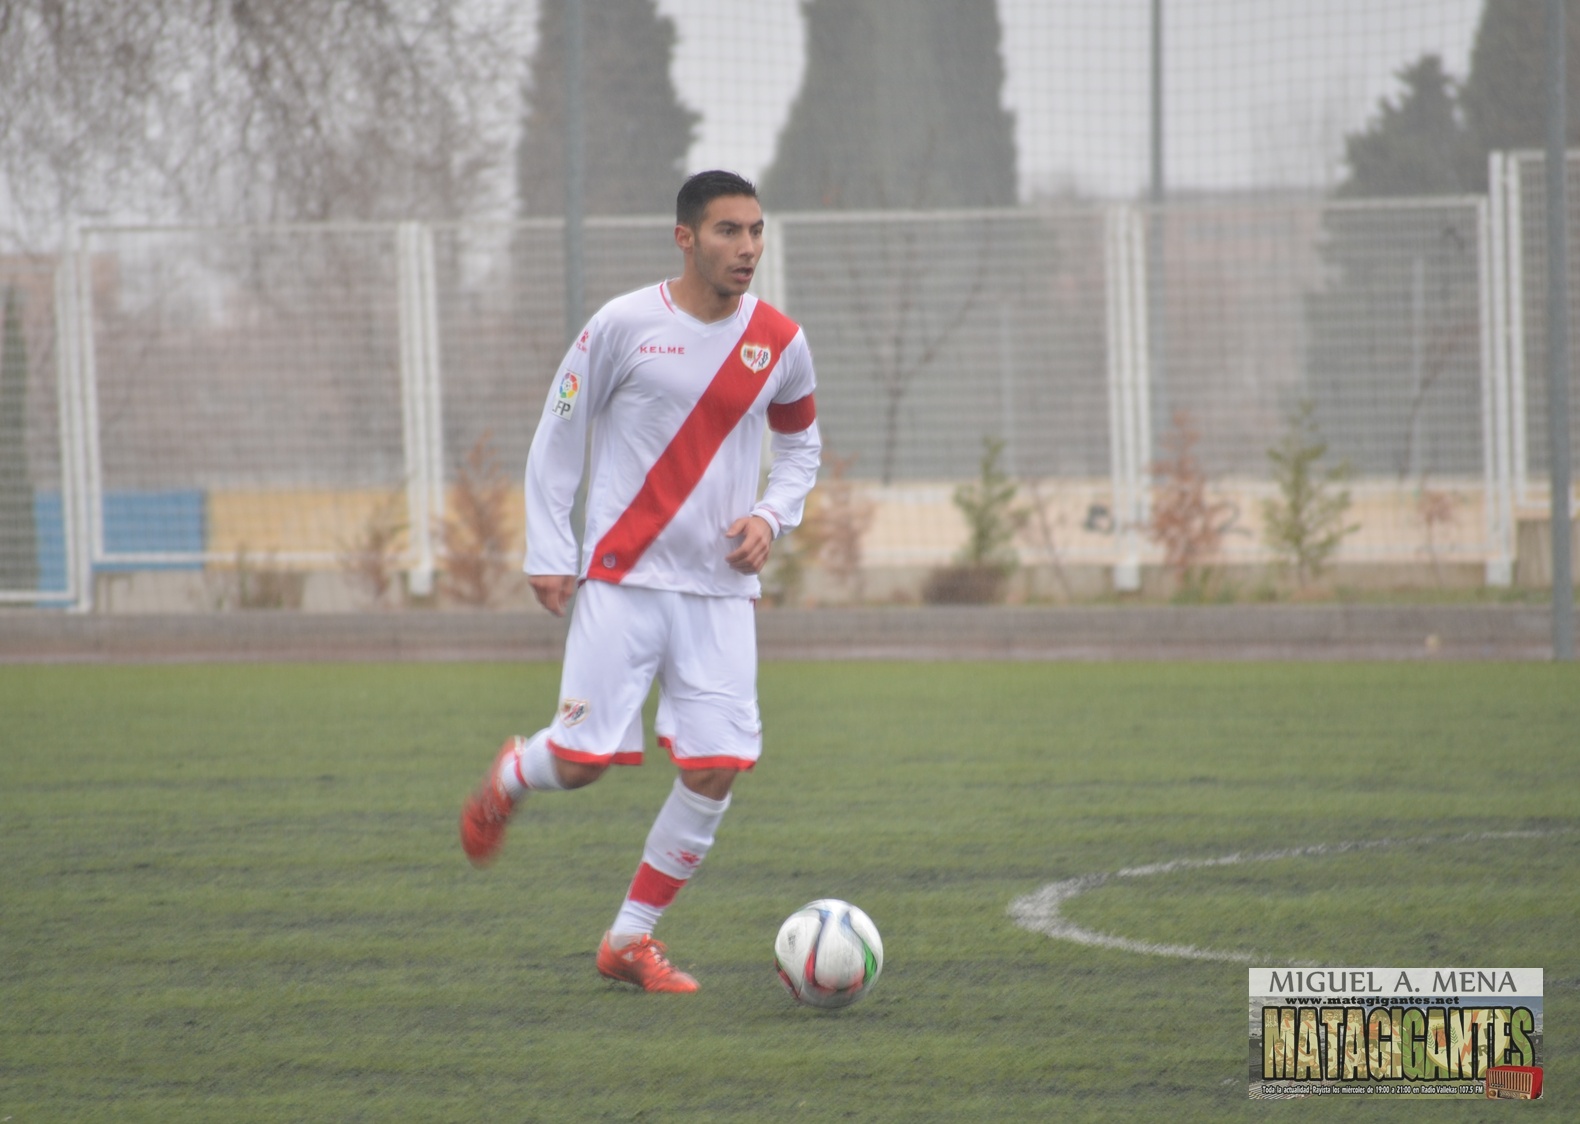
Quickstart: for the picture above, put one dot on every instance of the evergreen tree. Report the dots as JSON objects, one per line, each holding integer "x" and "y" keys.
{"x": 18, "y": 534}
{"x": 1385, "y": 385}
{"x": 637, "y": 132}
{"x": 1413, "y": 146}
{"x": 900, "y": 107}
{"x": 1504, "y": 100}
{"x": 1436, "y": 137}
{"x": 1306, "y": 525}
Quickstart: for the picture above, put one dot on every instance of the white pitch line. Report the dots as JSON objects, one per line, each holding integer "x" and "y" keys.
{"x": 1040, "y": 912}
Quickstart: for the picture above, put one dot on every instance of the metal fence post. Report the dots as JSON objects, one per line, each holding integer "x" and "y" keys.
{"x": 1129, "y": 401}
{"x": 421, "y": 418}
{"x": 1563, "y": 624}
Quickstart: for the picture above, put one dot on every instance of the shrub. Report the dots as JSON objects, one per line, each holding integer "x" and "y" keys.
{"x": 1305, "y": 525}
{"x": 478, "y": 565}
{"x": 372, "y": 560}
{"x": 829, "y": 537}
{"x": 1185, "y": 523}
{"x": 993, "y": 519}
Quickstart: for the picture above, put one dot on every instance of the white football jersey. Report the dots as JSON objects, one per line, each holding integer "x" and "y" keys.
{"x": 676, "y": 409}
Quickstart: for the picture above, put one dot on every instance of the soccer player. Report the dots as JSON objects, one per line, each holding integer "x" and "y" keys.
{"x": 675, "y": 383}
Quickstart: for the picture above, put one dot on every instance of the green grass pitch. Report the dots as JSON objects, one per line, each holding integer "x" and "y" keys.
{"x": 235, "y": 892}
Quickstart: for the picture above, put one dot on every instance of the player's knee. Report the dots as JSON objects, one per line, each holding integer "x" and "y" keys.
{"x": 712, "y": 783}
{"x": 578, "y": 774}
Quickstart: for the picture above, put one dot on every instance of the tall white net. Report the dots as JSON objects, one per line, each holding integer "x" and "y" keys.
{"x": 1322, "y": 216}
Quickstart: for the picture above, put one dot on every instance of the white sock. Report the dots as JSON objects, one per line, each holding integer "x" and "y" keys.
{"x": 531, "y": 767}
{"x": 678, "y": 842}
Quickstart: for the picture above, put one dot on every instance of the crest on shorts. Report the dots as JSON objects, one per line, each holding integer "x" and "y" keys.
{"x": 756, "y": 356}
{"x": 565, "y": 400}
{"x": 572, "y": 711}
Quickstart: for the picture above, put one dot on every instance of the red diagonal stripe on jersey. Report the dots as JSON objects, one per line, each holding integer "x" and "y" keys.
{"x": 678, "y": 469}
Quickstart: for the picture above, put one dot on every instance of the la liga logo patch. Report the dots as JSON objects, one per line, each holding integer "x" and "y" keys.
{"x": 756, "y": 356}
{"x": 565, "y": 398}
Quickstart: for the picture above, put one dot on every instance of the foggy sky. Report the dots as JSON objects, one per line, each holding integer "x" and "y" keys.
{"x": 1258, "y": 92}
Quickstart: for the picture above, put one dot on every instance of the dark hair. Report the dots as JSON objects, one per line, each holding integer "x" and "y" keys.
{"x": 703, "y": 188}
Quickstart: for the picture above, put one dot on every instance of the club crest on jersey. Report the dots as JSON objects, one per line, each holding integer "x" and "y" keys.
{"x": 572, "y": 711}
{"x": 756, "y": 356}
{"x": 565, "y": 399}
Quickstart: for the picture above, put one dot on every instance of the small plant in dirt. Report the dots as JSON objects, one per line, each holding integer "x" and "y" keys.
{"x": 254, "y": 583}
{"x": 993, "y": 519}
{"x": 372, "y": 559}
{"x": 829, "y": 538}
{"x": 784, "y": 579}
{"x": 1438, "y": 511}
{"x": 1044, "y": 525}
{"x": 844, "y": 517}
{"x": 1305, "y": 525}
{"x": 1186, "y": 523}
{"x": 478, "y": 531}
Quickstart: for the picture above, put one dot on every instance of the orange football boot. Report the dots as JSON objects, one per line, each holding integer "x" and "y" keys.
{"x": 487, "y": 811}
{"x": 643, "y": 963}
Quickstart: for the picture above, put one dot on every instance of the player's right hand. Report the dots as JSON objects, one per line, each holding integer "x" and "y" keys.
{"x": 553, "y": 591}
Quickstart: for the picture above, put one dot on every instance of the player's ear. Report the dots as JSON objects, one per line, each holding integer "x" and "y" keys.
{"x": 685, "y": 237}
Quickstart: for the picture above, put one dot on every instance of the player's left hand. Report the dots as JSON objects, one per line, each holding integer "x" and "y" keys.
{"x": 756, "y": 538}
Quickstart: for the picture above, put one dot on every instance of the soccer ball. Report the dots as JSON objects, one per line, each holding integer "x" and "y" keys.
{"x": 828, "y": 953}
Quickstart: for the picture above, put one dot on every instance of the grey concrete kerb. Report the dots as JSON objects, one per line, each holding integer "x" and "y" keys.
{"x": 1242, "y": 632}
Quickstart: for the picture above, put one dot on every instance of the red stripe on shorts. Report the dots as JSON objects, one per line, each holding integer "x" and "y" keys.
{"x": 679, "y": 468}
{"x": 581, "y": 757}
{"x": 740, "y": 764}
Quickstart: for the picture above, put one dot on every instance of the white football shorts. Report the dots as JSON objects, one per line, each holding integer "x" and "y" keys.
{"x": 703, "y": 651}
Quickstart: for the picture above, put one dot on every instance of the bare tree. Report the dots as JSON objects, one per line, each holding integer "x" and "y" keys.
{"x": 254, "y": 109}
{"x": 911, "y": 321}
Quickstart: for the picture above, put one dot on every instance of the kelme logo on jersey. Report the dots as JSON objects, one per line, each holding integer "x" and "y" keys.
{"x": 572, "y": 711}
{"x": 756, "y": 356}
{"x": 565, "y": 399}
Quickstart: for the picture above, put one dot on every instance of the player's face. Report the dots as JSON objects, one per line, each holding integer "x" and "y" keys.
{"x": 726, "y": 244}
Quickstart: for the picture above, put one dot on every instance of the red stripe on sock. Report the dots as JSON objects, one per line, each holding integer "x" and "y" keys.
{"x": 654, "y": 887}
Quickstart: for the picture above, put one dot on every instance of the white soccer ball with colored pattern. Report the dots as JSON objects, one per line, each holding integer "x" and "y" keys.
{"x": 828, "y": 953}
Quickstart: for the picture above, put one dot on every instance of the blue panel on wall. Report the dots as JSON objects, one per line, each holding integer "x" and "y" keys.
{"x": 173, "y": 522}
{"x": 50, "y": 527}
{"x": 154, "y": 523}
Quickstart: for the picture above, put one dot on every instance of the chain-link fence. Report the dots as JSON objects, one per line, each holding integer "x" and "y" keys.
{"x": 1121, "y": 252}
{"x": 202, "y": 398}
